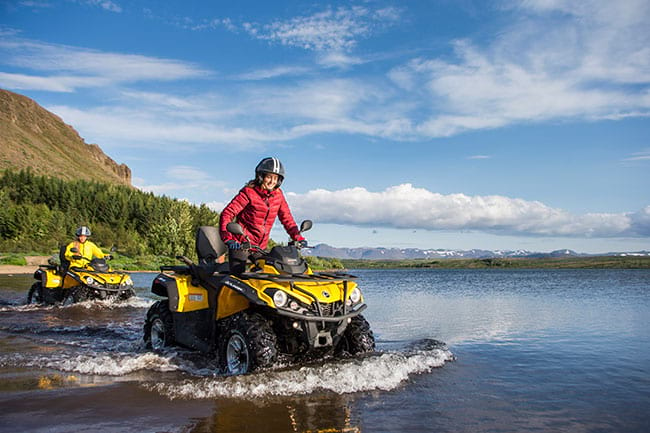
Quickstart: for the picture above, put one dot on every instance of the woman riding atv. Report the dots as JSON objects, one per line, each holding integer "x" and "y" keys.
{"x": 256, "y": 206}
{"x": 81, "y": 251}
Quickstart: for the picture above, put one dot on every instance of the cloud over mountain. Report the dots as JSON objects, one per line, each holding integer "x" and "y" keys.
{"x": 404, "y": 206}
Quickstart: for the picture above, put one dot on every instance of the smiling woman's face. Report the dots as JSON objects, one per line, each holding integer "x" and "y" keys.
{"x": 269, "y": 181}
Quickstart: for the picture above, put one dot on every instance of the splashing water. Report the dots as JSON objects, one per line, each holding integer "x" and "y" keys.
{"x": 383, "y": 371}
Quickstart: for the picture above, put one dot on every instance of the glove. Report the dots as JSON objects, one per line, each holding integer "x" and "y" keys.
{"x": 302, "y": 243}
{"x": 233, "y": 244}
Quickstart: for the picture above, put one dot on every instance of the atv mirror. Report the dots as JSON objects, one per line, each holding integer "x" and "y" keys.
{"x": 74, "y": 250}
{"x": 235, "y": 229}
{"x": 305, "y": 225}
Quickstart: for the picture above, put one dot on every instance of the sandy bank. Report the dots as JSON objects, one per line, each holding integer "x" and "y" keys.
{"x": 13, "y": 269}
{"x": 30, "y": 268}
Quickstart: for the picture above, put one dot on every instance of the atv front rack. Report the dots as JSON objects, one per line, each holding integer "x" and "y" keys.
{"x": 316, "y": 276}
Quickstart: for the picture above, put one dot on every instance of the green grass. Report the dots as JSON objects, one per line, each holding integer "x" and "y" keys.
{"x": 12, "y": 259}
{"x": 153, "y": 263}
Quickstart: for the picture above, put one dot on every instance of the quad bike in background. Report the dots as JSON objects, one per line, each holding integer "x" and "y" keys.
{"x": 63, "y": 284}
{"x": 279, "y": 309}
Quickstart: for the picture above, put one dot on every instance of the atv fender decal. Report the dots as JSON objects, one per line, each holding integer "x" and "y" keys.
{"x": 244, "y": 289}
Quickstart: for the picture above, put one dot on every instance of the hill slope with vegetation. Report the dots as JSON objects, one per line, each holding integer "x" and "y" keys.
{"x": 32, "y": 137}
{"x": 39, "y": 213}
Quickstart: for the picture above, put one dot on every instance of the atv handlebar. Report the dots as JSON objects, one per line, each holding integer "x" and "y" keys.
{"x": 80, "y": 257}
{"x": 185, "y": 260}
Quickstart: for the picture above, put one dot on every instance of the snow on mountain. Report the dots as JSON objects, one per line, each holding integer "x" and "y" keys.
{"x": 324, "y": 250}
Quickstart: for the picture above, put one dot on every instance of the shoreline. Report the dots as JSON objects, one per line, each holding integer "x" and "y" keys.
{"x": 30, "y": 269}
{"x": 17, "y": 269}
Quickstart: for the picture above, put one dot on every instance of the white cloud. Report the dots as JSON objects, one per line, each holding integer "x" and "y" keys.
{"x": 639, "y": 156}
{"x": 216, "y": 206}
{"x": 35, "y": 4}
{"x": 74, "y": 67}
{"x": 591, "y": 60}
{"x": 279, "y": 71}
{"x": 182, "y": 178}
{"x": 51, "y": 84}
{"x": 104, "y": 4}
{"x": 406, "y": 207}
{"x": 582, "y": 68}
{"x": 338, "y": 59}
{"x": 331, "y": 30}
{"x": 134, "y": 127}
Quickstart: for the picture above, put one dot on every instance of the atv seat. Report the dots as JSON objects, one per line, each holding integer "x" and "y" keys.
{"x": 65, "y": 263}
{"x": 210, "y": 249}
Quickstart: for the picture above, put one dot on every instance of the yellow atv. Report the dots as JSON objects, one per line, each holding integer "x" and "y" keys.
{"x": 61, "y": 283}
{"x": 277, "y": 309}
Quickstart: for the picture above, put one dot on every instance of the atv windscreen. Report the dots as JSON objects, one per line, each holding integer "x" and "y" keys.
{"x": 287, "y": 260}
{"x": 99, "y": 265}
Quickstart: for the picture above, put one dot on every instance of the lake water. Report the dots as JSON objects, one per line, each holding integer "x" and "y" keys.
{"x": 526, "y": 351}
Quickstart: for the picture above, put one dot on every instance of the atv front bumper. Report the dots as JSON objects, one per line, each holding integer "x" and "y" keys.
{"x": 306, "y": 318}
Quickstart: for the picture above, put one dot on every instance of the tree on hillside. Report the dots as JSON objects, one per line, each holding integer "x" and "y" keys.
{"x": 39, "y": 213}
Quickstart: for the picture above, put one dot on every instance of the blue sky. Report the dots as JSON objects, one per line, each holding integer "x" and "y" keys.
{"x": 429, "y": 124}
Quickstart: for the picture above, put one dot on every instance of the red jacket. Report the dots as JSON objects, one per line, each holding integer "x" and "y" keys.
{"x": 255, "y": 209}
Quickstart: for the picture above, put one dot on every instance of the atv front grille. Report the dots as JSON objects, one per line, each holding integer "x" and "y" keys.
{"x": 330, "y": 309}
{"x": 326, "y": 309}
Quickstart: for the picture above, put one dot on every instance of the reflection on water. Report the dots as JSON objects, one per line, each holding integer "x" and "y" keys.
{"x": 313, "y": 414}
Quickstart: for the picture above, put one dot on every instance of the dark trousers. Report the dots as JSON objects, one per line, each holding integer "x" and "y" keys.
{"x": 237, "y": 260}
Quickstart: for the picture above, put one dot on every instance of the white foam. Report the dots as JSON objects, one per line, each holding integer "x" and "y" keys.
{"x": 383, "y": 372}
{"x": 132, "y": 302}
{"x": 112, "y": 365}
{"x": 25, "y": 307}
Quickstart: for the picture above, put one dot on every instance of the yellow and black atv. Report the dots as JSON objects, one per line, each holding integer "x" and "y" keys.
{"x": 277, "y": 310}
{"x": 63, "y": 284}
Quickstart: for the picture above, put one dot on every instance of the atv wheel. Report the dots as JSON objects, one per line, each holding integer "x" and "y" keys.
{"x": 159, "y": 326}
{"x": 123, "y": 296}
{"x": 76, "y": 294}
{"x": 247, "y": 344}
{"x": 357, "y": 338}
{"x": 35, "y": 294}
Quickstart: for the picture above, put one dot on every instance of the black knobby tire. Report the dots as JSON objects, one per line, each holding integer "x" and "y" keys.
{"x": 247, "y": 343}
{"x": 76, "y": 294}
{"x": 357, "y": 338}
{"x": 126, "y": 294}
{"x": 35, "y": 294}
{"x": 159, "y": 326}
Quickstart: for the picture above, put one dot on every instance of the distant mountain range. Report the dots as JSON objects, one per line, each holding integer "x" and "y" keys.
{"x": 324, "y": 250}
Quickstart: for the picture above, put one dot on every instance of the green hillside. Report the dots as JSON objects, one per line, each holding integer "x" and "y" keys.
{"x": 32, "y": 137}
{"x": 39, "y": 213}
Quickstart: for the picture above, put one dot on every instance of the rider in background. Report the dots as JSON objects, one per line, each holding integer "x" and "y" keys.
{"x": 256, "y": 206}
{"x": 80, "y": 251}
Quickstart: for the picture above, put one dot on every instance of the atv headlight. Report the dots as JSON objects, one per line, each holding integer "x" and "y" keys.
{"x": 355, "y": 295}
{"x": 90, "y": 281}
{"x": 128, "y": 281}
{"x": 280, "y": 298}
